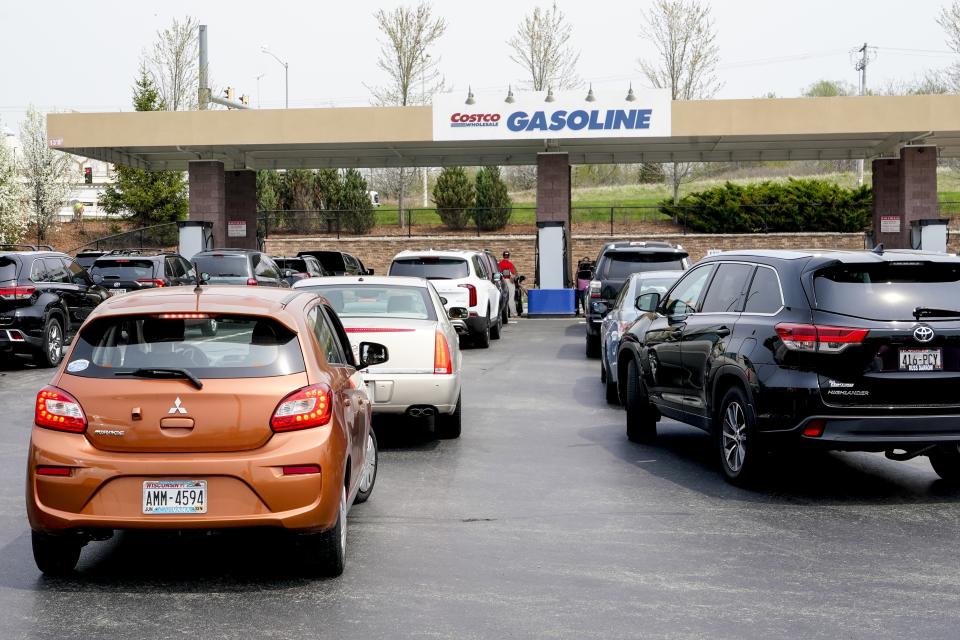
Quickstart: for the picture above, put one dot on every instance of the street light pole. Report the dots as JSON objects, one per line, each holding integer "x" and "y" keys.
{"x": 286, "y": 75}
{"x": 258, "y": 89}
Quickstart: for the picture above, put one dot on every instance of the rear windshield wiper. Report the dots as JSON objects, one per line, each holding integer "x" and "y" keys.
{"x": 163, "y": 373}
{"x": 929, "y": 312}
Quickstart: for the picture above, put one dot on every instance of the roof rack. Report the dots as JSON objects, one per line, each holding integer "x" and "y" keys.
{"x": 26, "y": 247}
{"x": 137, "y": 252}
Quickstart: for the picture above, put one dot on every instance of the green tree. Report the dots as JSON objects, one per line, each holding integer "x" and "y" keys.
{"x": 354, "y": 203}
{"x": 268, "y": 190}
{"x": 829, "y": 89}
{"x": 149, "y": 197}
{"x": 454, "y": 196}
{"x": 493, "y": 205}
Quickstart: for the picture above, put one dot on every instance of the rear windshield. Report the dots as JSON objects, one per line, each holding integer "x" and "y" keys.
{"x": 297, "y": 264}
{"x": 8, "y": 269}
{"x": 223, "y": 266}
{"x": 243, "y": 347}
{"x": 378, "y": 301}
{"x": 86, "y": 261}
{"x": 331, "y": 260}
{"x": 620, "y": 264}
{"x": 888, "y": 291}
{"x": 122, "y": 269}
{"x": 654, "y": 285}
{"x": 431, "y": 268}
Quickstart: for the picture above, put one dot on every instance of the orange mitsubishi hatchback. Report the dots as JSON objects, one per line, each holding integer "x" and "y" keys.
{"x": 152, "y": 423}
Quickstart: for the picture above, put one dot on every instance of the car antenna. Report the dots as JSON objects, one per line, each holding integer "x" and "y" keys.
{"x": 878, "y": 249}
{"x": 198, "y": 276}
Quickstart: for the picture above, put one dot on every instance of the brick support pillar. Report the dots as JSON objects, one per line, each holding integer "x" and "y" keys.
{"x": 207, "y": 198}
{"x": 904, "y": 190}
{"x": 240, "y": 193}
{"x": 553, "y": 194}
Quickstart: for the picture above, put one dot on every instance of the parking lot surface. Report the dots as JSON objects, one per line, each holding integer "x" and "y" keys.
{"x": 541, "y": 521}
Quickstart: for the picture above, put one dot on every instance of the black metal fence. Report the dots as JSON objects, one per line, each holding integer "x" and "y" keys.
{"x": 158, "y": 236}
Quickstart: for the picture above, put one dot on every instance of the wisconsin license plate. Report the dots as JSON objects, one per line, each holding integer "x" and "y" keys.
{"x": 174, "y": 496}
{"x": 921, "y": 360}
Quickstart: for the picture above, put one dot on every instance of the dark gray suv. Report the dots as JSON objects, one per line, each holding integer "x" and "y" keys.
{"x": 239, "y": 266}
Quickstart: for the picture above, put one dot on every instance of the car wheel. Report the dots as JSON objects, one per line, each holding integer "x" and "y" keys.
{"x": 495, "y": 327}
{"x": 735, "y": 438}
{"x": 610, "y": 388}
{"x": 209, "y": 328}
{"x": 593, "y": 346}
{"x": 56, "y": 555}
{"x": 369, "y": 473}
{"x": 603, "y": 374}
{"x": 449, "y": 425}
{"x": 482, "y": 339}
{"x": 641, "y": 419}
{"x": 945, "y": 460}
{"x": 327, "y": 550}
{"x": 51, "y": 351}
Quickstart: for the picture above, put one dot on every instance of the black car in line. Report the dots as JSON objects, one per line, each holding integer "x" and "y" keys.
{"x": 127, "y": 270}
{"x": 338, "y": 263}
{"x": 44, "y": 298}
{"x": 843, "y": 350}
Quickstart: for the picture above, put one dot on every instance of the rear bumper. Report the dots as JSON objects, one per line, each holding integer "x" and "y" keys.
{"x": 395, "y": 393}
{"x": 883, "y": 431}
{"x": 17, "y": 340}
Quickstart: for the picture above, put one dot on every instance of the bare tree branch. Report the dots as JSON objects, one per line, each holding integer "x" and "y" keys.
{"x": 174, "y": 64}
{"x": 542, "y": 47}
{"x": 949, "y": 20}
{"x": 413, "y": 73}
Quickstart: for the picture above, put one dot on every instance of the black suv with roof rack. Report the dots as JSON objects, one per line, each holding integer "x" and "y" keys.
{"x": 44, "y": 298}
{"x": 842, "y": 350}
{"x": 127, "y": 270}
{"x": 614, "y": 264}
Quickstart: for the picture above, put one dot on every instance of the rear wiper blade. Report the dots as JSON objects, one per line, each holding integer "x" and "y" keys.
{"x": 163, "y": 373}
{"x": 928, "y": 312}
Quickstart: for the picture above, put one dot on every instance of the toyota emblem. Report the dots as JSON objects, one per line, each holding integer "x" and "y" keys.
{"x": 923, "y": 333}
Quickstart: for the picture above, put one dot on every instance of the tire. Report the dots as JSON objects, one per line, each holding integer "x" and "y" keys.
{"x": 603, "y": 374}
{"x": 641, "y": 418}
{"x": 448, "y": 427}
{"x": 327, "y": 551}
{"x": 51, "y": 351}
{"x": 56, "y": 555}
{"x": 610, "y": 388}
{"x": 505, "y": 316}
{"x": 495, "y": 330}
{"x": 482, "y": 339}
{"x": 740, "y": 458}
{"x": 209, "y": 328}
{"x": 593, "y": 346}
{"x": 369, "y": 473}
{"x": 945, "y": 460}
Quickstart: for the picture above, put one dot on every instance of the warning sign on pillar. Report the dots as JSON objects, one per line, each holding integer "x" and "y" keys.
{"x": 238, "y": 228}
{"x": 889, "y": 224}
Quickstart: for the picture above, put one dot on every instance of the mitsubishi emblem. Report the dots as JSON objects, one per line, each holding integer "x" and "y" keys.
{"x": 176, "y": 408}
{"x": 923, "y": 333}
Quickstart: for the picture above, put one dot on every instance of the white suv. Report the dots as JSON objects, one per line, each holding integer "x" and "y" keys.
{"x": 461, "y": 278}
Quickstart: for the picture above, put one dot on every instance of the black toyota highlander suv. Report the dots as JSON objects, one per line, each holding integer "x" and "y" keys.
{"x": 615, "y": 262}
{"x": 844, "y": 350}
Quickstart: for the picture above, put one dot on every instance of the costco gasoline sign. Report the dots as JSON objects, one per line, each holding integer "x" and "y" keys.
{"x": 568, "y": 116}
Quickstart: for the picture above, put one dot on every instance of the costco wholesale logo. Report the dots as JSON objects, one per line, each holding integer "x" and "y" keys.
{"x": 475, "y": 120}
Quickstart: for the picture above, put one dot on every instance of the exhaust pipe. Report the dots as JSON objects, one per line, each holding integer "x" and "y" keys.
{"x": 414, "y": 412}
{"x": 427, "y": 411}
{"x": 421, "y": 412}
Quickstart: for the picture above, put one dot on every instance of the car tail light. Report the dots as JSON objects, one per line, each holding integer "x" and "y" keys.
{"x": 156, "y": 282}
{"x": 595, "y": 288}
{"x": 304, "y": 408}
{"x": 441, "y": 355}
{"x": 183, "y": 316}
{"x": 300, "y": 469}
{"x": 56, "y": 409}
{"x": 473, "y": 293}
{"x": 814, "y": 428}
{"x": 17, "y": 293}
{"x": 252, "y": 282}
{"x": 813, "y": 338}
{"x": 51, "y": 470}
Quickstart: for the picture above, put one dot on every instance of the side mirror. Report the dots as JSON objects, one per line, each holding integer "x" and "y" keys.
{"x": 372, "y": 353}
{"x": 443, "y": 301}
{"x": 457, "y": 313}
{"x": 97, "y": 278}
{"x": 647, "y": 302}
{"x": 288, "y": 273}
{"x": 497, "y": 277}
{"x": 369, "y": 272}
{"x": 204, "y": 277}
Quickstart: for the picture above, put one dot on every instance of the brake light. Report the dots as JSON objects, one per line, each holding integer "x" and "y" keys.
{"x": 183, "y": 316}
{"x": 813, "y": 338}
{"x": 473, "y": 293}
{"x": 814, "y": 428}
{"x": 17, "y": 293}
{"x": 300, "y": 469}
{"x": 441, "y": 355}
{"x": 595, "y": 288}
{"x": 304, "y": 408}
{"x": 252, "y": 282}
{"x": 51, "y": 470}
{"x": 152, "y": 281}
{"x": 58, "y": 410}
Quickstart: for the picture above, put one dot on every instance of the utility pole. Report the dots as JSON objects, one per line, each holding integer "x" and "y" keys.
{"x": 423, "y": 92}
{"x": 862, "y": 68}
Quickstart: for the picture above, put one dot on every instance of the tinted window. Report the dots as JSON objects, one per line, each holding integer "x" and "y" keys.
{"x": 764, "y": 295}
{"x": 245, "y": 347}
{"x": 38, "y": 271}
{"x": 266, "y": 269}
{"x": 122, "y": 268}
{"x": 683, "y": 299}
{"x": 888, "y": 291}
{"x": 223, "y": 266}
{"x": 174, "y": 268}
{"x": 478, "y": 267}
{"x": 56, "y": 271}
{"x": 431, "y": 267}
{"x": 297, "y": 264}
{"x": 620, "y": 264}
{"x": 8, "y": 269}
{"x": 326, "y": 337}
{"x": 75, "y": 271}
{"x": 332, "y": 261}
{"x": 369, "y": 300}
{"x": 726, "y": 289}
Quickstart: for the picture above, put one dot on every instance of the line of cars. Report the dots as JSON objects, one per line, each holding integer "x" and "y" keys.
{"x": 784, "y": 350}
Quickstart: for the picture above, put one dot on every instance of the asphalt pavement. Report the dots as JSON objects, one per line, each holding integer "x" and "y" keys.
{"x": 541, "y": 521}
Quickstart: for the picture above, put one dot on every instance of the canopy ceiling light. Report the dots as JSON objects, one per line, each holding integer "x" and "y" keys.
{"x": 549, "y": 97}
{"x": 509, "y": 99}
{"x": 630, "y": 97}
{"x": 590, "y": 97}
{"x": 470, "y": 99}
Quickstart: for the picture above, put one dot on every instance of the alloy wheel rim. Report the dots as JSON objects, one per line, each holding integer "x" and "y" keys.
{"x": 734, "y": 435}
{"x": 343, "y": 519}
{"x": 369, "y": 466}
{"x": 53, "y": 343}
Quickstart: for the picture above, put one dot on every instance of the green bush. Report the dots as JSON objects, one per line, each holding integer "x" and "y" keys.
{"x": 454, "y": 197}
{"x": 795, "y": 205}
{"x": 354, "y": 203}
{"x": 493, "y": 204}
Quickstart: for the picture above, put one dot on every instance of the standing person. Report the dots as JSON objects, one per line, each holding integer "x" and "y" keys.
{"x": 584, "y": 275}
{"x": 509, "y": 273}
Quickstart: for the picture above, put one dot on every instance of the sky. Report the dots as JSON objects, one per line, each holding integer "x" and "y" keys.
{"x": 84, "y": 55}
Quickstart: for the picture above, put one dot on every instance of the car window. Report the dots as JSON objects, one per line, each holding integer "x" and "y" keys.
{"x": 38, "y": 271}
{"x": 77, "y": 274}
{"x": 351, "y": 262}
{"x": 8, "y": 268}
{"x": 377, "y": 301}
{"x": 764, "y": 295}
{"x": 267, "y": 269}
{"x": 620, "y": 264}
{"x": 684, "y": 297}
{"x": 430, "y": 267}
{"x": 222, "y": 266}
{"x": 187, "y": 267}
{"x": 123, "y": 268}
{"x": 618, "y": 303}
{"x": 326, "y": 336}
{"x": 313, "y": 267}
{"x": 174, "y": 267}
{"x": 56, "y": 272}
{"x": 478, "y": 267}
{"x": 300, "y": 265}
{"x": 726, "y": 289}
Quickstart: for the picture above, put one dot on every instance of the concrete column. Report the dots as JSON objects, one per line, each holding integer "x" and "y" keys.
{"x": 904, "y": 190}
{"x": 240, "y": 190}
{"x": 207, "y": 198}
{"x": 553, "y": 193}
{"x": 886, "y": 202}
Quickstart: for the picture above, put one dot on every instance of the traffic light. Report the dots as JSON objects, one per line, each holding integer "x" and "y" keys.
{"x": 244, "y": 99}
{"x": 88, "y": 175}
{"x": 229, "y": 93}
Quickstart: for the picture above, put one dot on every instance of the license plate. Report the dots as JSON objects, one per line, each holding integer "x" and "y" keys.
{"x": 921, "y": 360}
{"x": 174, "y": 496}
{"x": 115, "y": 292}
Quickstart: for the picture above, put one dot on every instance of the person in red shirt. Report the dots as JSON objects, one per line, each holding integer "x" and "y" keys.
{"x": 506, "y": 265}
{"x": 509, "y": 271}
